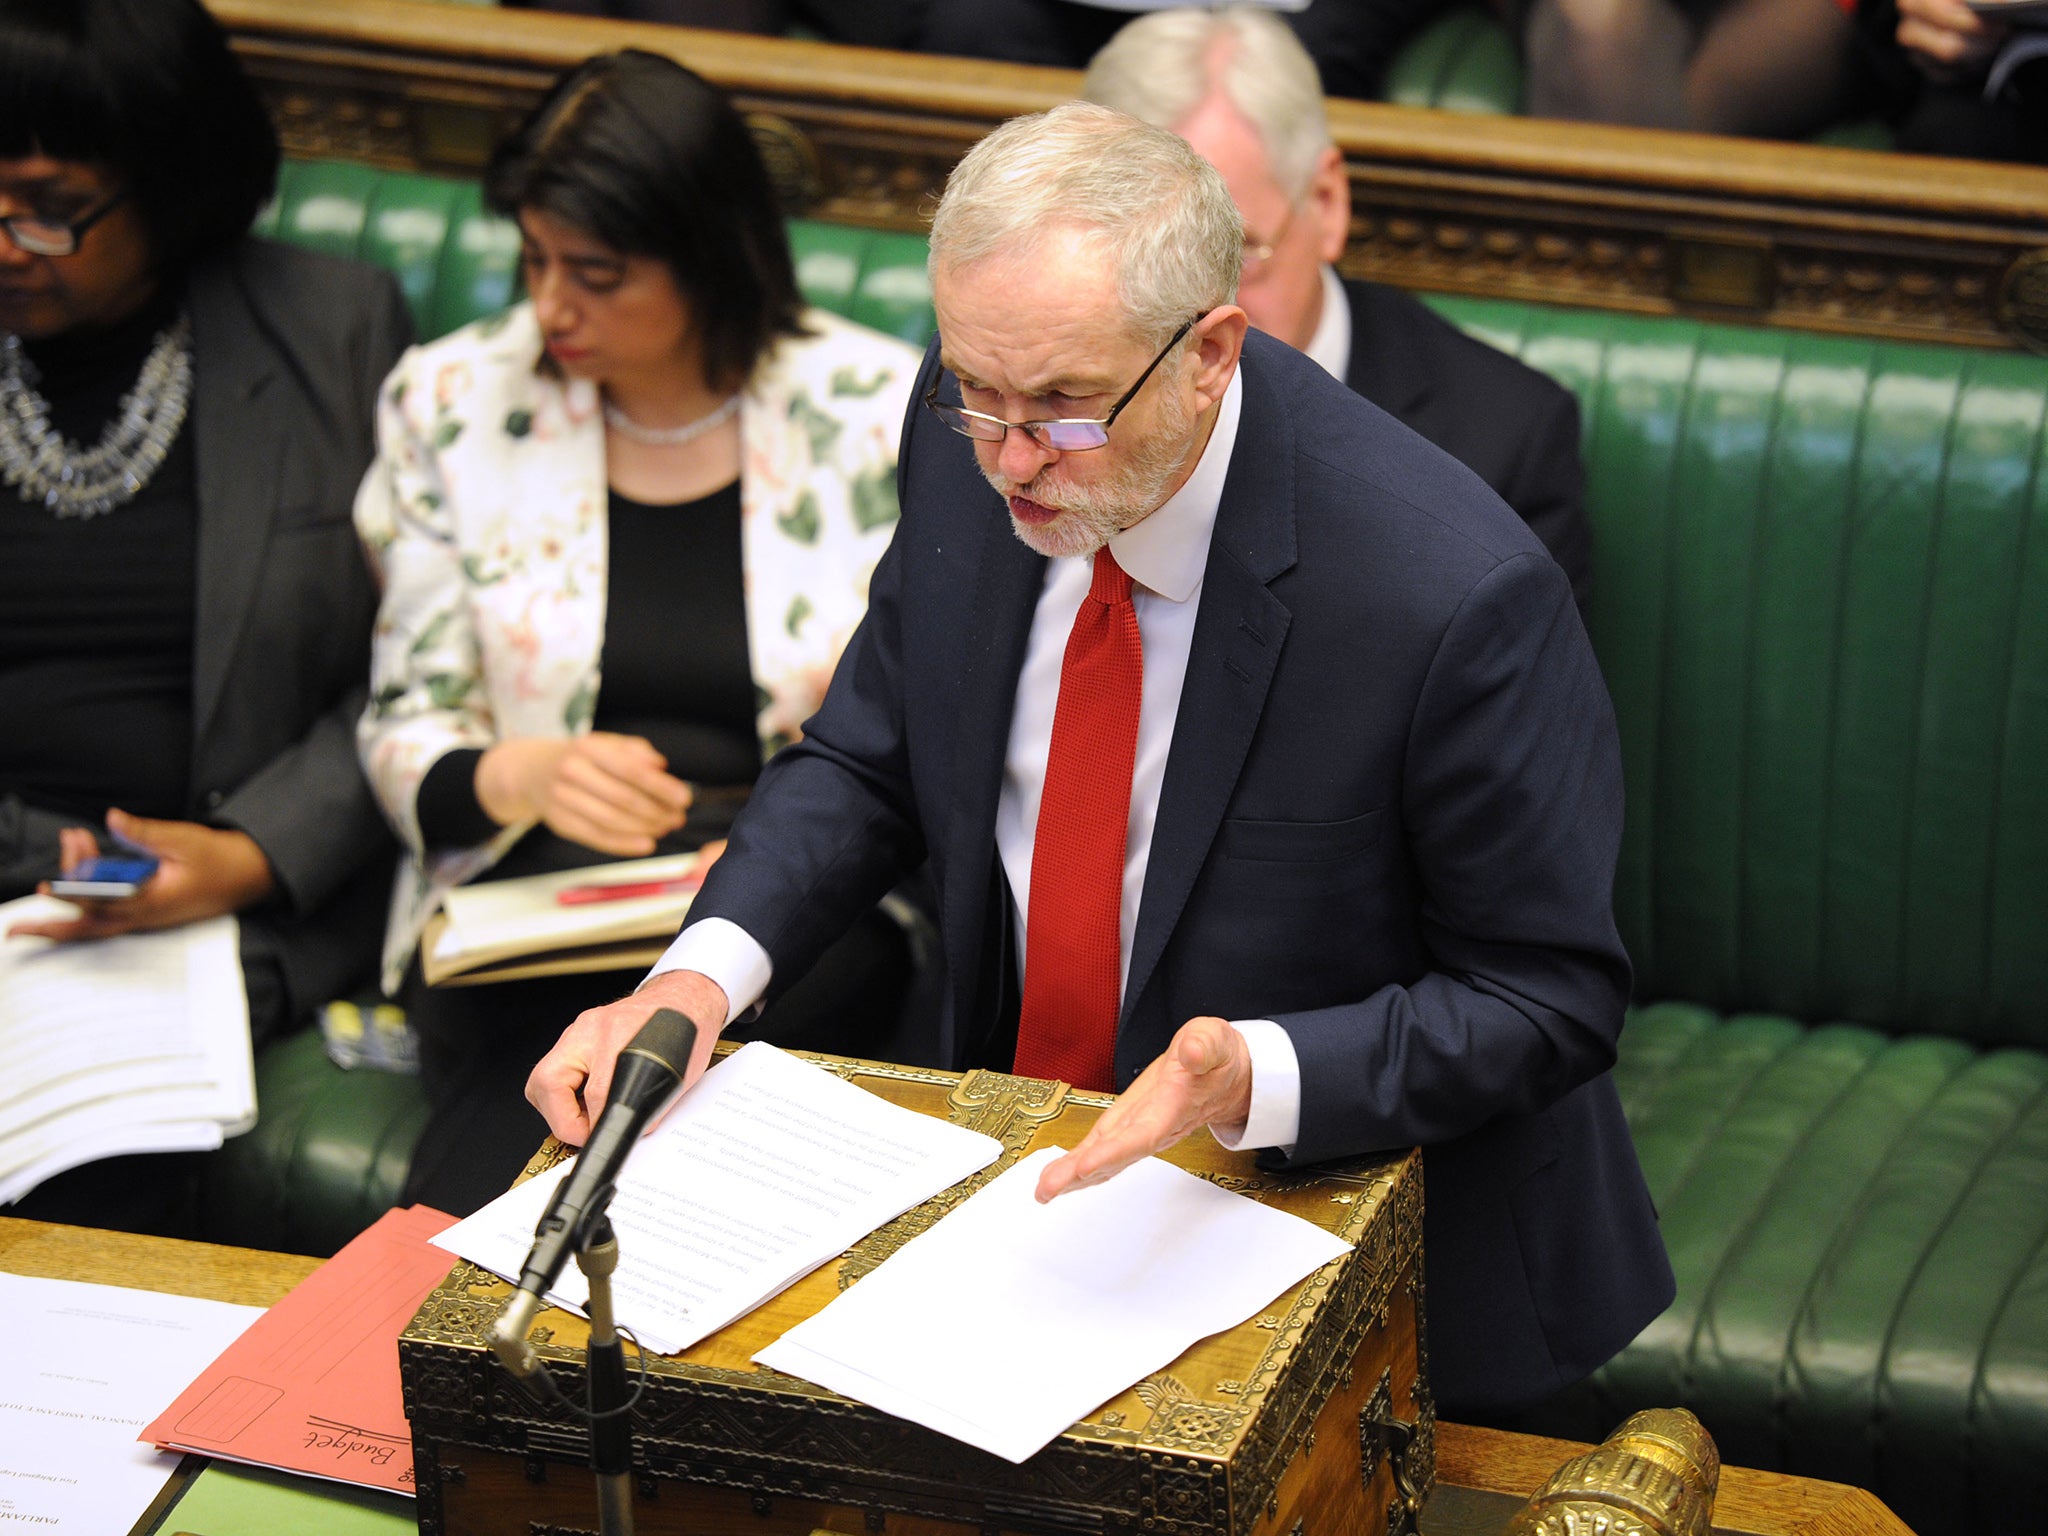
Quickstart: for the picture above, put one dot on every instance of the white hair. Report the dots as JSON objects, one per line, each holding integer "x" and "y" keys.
{"x": 1158, "y": 207}
{"x": 1163, "y": 66}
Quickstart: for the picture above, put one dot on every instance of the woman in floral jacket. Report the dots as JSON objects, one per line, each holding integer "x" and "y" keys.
{"x": 624, "y": 532}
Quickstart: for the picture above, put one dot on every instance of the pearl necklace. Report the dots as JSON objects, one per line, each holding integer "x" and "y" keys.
{"x": 75, "y": 481}
{"x": 667, "y": 437}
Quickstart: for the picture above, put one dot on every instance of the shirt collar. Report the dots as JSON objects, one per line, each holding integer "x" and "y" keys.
{"x": 1168, "y": 551}
{"x": 1331, "y": 344}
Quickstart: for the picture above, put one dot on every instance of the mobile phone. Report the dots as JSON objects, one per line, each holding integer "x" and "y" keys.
{"x": 105, "y": 879}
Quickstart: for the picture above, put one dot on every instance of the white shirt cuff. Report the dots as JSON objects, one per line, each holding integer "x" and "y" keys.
{"x": 1275, "y": 1118}
{"x": 726, "y": 953}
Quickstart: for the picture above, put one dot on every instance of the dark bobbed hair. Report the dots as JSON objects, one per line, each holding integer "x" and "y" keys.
{"x": 650, "y": 158}
{"x": 148, "y": 90}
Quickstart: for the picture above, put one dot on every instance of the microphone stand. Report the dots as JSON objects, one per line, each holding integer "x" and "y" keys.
{"x": 611, "y": 1429}
{"x": 649, "y": 1074}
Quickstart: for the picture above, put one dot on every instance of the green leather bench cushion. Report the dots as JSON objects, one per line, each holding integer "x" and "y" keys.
{"x": 327, "y": 1157}
{"x": 1859, "y": 1226}
{"x": 457, "y": 262}
{"x": 875, "y": 277}
{"x": 1821, "y": 602}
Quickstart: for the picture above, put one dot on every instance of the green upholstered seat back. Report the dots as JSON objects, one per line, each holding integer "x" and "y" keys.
{"x": 457, "y": 262}
{"x": 1821, "y": 601}
{"x": 1463, "y": 61}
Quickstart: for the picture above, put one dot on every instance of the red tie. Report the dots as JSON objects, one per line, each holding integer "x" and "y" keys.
{"x": 1071, "y": 937}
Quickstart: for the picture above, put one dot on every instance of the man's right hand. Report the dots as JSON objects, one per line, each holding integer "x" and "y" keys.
{"x": 571, "y": 1082}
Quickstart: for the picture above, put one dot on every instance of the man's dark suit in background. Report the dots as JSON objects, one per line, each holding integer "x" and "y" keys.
{"x": 1517, "y": 429}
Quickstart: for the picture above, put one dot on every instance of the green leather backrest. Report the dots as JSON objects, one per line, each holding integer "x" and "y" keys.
{"x": 1821, "y": 602}
{"x": 1463, "y": 61}
{"x": 457, "y": 262}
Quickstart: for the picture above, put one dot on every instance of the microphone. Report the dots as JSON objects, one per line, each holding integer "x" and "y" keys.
{"x": 648, "y": 1075}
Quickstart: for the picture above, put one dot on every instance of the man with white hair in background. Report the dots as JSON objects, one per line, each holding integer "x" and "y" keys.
{"x": 1262, "y": 763}
{"x": 1239, "y": 87}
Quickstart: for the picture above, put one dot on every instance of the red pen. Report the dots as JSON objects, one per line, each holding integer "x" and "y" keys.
{"x": 626, "y": 890}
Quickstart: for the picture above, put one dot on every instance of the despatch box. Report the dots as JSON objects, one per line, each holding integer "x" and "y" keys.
{"x": 1311, "y": 1419}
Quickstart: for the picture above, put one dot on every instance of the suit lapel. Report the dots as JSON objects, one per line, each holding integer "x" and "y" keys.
{"x": 1008, "y": 582}
{"x": 239, "y": 439}
{"x": 1239, "y": 630}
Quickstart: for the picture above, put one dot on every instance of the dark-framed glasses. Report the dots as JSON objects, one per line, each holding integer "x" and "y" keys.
{"x": 40, "y": 234}
{"x": 1062, "y": 434}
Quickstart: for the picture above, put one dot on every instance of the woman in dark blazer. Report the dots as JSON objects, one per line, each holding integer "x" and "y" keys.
{"x": 184, "y": 415}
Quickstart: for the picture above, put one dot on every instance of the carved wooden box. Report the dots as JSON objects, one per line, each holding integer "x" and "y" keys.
{"x": 1310, "y": 1420}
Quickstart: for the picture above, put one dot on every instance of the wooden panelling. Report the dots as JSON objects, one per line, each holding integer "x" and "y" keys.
{"x": 1637, "y": 220}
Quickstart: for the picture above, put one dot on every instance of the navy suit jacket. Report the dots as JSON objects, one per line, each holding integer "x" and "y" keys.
{"x": 1516, "y": 428}
{"x": 1389, "y": 822}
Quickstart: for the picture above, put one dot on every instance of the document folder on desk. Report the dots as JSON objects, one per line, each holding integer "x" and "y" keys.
{"x": 312, "y": 1386}
{"x": 1313, "y": 1416}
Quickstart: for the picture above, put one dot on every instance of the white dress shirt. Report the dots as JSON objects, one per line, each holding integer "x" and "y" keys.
{"x": 1165, "y": 556}
{"x": 1331, "y": 344}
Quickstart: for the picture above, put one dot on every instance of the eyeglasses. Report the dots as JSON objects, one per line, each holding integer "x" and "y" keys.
{"x": 40, "y": 235}
{"x": 1258, "y": 252}
{"x": 1062, "y": 434}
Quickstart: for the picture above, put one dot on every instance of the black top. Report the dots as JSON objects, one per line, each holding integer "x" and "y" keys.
{"x": 675, "y": 670}
{"x": 97, "y": 614}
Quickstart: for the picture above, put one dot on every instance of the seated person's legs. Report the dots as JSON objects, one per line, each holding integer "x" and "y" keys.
{"x": 1772, "y": 68}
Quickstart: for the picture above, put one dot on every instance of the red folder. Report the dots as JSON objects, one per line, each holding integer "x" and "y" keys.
{"x": 312, "y": 1385}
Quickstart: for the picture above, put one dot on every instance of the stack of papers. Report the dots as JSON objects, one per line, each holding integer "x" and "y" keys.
{"x": 506, "y": 930}
{"x": 768, "y": 1167}
{"x": 313, "y": 1385}
{"x": 771, "y": 1166}
{"x": 1112, "y": 1282}
{"x": 87, "y": 1365}
{"x": 132, "y": 1044}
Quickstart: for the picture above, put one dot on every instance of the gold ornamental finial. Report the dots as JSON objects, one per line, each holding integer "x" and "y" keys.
{"x": 1654, "y": 1476}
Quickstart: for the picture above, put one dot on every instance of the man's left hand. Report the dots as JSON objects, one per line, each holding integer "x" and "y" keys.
{"x": 201, "y": 872}
{"x": 1204, "y": 1078}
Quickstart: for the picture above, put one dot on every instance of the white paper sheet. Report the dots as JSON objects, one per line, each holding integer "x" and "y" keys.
{"x": 769, "y": 1167}
{"x": 87, "y": 1367}
{"x": 132, "y": 1044}
{"x": 1067, "y": 1304}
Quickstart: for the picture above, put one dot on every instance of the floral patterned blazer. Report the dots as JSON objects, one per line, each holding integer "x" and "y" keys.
{"x": 485, "y": 515}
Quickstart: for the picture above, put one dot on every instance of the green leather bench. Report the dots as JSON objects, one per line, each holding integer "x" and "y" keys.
{"x": 1821, "y": 601}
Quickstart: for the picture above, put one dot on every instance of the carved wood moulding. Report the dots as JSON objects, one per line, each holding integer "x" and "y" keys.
{"x": 1650, "y": 222}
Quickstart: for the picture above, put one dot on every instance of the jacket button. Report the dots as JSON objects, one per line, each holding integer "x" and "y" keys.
{"x": 214, "y": 799}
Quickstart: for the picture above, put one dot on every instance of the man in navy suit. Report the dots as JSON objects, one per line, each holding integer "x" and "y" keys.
{"x": 1239, "y": 87}
{"x": 1362, "y": 779}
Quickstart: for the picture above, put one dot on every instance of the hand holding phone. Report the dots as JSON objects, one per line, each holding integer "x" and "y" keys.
{"x": 105, "y": 878}
{"x": 199, "y": 872}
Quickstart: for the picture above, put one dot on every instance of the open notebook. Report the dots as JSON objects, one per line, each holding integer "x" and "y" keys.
{"x": 506, "y": 930}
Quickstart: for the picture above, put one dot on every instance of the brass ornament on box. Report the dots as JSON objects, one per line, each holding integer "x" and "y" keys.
{"x": 1654, "y": 1476}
